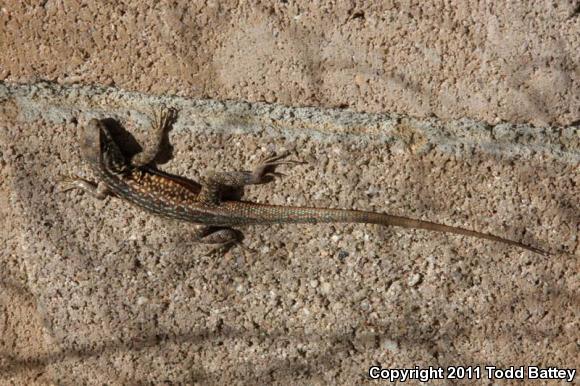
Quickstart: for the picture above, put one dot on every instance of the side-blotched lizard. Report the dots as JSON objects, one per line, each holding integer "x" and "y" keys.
{"x": 213, "y": 214}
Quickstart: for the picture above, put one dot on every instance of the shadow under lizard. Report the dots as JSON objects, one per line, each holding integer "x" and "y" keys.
{"x": 213, "y": 215}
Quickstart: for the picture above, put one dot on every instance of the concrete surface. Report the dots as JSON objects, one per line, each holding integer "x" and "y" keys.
{"x": 101, "y": 292}
{"x": 491, "y": 61}
{"x": 465, "y": 113}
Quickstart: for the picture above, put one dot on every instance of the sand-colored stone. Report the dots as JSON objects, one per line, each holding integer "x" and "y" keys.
{"x": 500, "y": 61}
{"x": 100, "y": 292}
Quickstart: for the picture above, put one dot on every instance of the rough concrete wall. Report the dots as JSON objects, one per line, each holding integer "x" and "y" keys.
{"x": 492, "y": 61}
{"x": 99, "y": 292}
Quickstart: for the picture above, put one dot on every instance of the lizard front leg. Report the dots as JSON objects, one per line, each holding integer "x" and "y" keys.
{"x": 160, "y": 119}
{"x": 215, "y": 182}
{"x": 97, "y": 190}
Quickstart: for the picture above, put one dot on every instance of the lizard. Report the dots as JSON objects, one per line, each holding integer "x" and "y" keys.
{"x": 213, "y": 215}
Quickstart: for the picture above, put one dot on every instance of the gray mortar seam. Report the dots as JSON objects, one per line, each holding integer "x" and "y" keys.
{"x": 57, "y": 103}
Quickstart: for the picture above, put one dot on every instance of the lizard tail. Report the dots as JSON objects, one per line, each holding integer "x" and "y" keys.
{"x": 272, "y": 214}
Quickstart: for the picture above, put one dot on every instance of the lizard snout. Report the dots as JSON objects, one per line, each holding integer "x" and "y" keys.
{"x": 90, "y": 142}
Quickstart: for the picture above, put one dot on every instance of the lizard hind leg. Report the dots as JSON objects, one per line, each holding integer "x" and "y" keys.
{"x": 223, "y": 238}
{"x": 212, "y": 235}
{"x": 217, "y": 182}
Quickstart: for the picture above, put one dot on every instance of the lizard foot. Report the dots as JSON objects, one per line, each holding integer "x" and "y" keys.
{"x": 221, "y": 249}
{"x": 266, "y": 171}
{"x": 66, "y": 183}
{"x": 162, "y": 117}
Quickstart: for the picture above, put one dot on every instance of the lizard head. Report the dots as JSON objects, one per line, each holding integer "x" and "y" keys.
{"x": 100, "y": 149}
